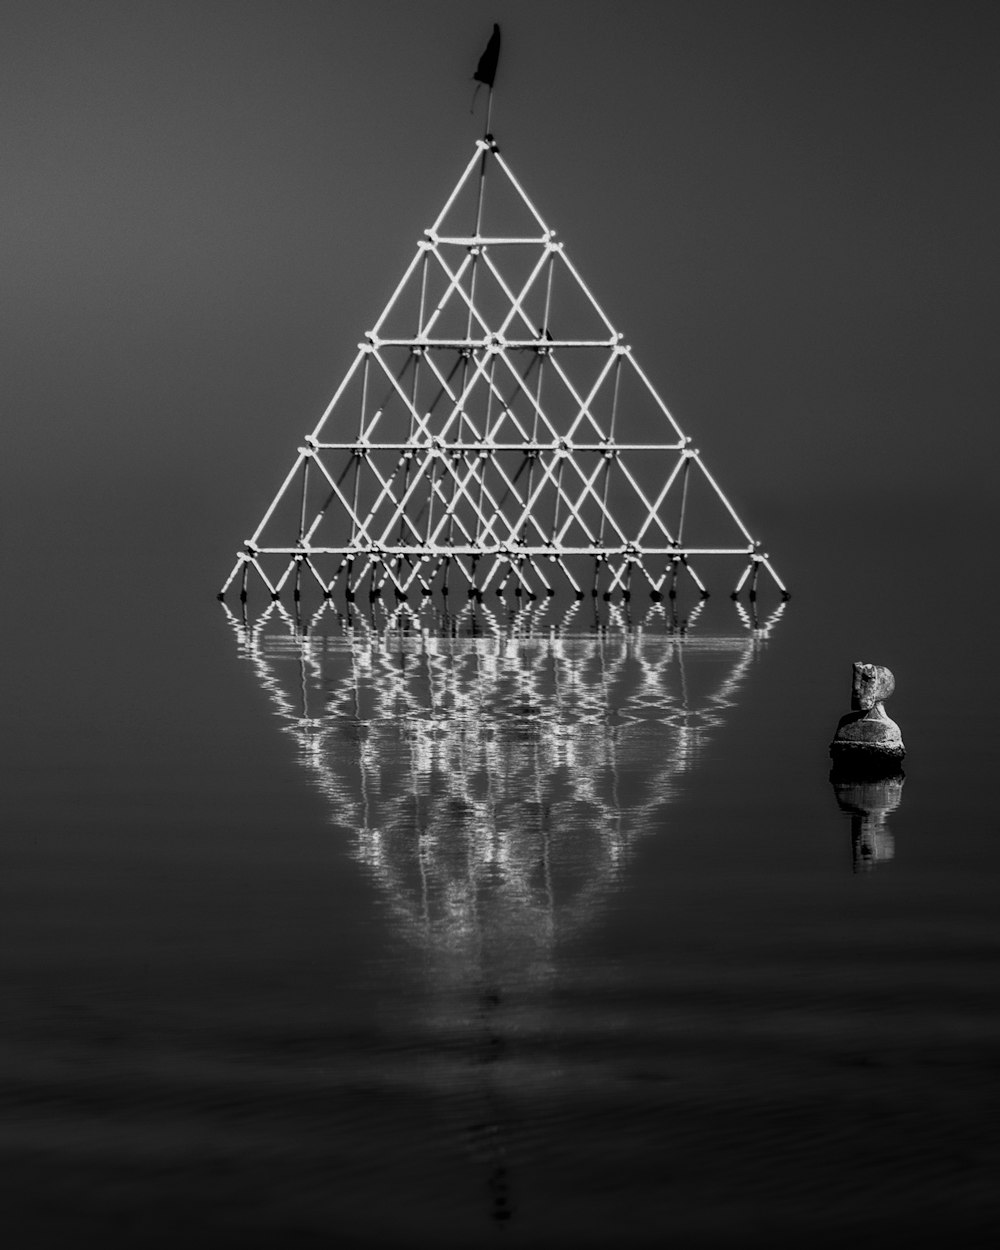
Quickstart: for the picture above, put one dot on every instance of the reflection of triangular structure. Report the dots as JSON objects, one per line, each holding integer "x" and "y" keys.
{"x": 494, "y": 429}
{"x": 494, "y": 777}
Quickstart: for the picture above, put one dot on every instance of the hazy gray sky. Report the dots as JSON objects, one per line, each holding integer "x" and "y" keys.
{"x": 789, "y": 209}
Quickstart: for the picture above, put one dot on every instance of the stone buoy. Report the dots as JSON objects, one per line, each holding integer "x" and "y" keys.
{"x": 867, "y": 742}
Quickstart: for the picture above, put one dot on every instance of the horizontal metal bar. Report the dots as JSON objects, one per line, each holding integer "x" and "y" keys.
{"x": 511, "y": 549}
{"x": 480, "y": 240}
{"x": 481, "y": 446}
{"x": 489, "y": 341}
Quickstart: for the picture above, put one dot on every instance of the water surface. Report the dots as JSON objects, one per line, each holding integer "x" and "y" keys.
{"x": 502, "y": 929}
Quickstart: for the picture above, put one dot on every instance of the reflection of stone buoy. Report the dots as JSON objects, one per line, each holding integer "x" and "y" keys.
{"x": 867, "y": 742}
{"x": 869, "y": 803}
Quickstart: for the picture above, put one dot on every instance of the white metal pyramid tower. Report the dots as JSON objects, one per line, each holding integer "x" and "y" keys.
{"x": 495, "y": 433}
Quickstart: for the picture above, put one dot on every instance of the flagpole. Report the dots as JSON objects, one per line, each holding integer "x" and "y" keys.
{"x": 482, "y": 170}
{"x": 482, "y": 182}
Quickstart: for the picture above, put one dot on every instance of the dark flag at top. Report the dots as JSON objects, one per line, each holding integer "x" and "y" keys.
{"x": 486, "y": 70}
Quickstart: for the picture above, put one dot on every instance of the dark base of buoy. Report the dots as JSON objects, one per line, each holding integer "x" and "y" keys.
{"x": 864, "y": 764}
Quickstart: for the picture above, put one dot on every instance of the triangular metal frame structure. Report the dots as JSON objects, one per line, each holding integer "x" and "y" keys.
{"x": 495, "y": 430}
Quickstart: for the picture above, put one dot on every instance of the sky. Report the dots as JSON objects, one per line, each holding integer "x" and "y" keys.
{"x": 788, "y": 209}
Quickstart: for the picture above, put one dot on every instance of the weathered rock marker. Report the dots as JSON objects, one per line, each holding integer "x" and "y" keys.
{"x": 867, "y": 742}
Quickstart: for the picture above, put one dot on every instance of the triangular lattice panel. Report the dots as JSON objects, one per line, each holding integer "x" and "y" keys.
{"x": 495, "y": 430}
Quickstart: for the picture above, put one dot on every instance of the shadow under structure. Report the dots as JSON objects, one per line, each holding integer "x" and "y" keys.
{"x": 495, "y": 433}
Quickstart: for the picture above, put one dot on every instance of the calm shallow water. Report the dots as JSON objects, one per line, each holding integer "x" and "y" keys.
{"x": 499, "y": 936}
